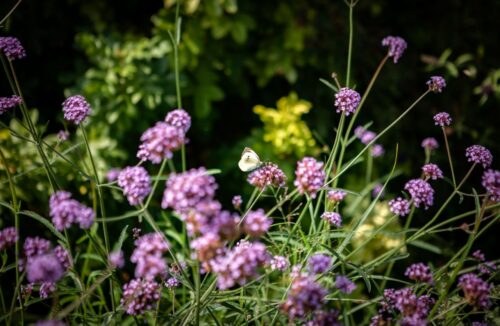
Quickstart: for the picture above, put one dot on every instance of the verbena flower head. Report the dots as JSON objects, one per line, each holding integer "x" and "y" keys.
{"x": 64, "y": 211}
{"x": 256, "y": 223}
{"x": 63, "y": 257}
{"x": 136, "y": 184}
{"x": 478, "y": 254}
{"x": 333, "y": 218}
{"x": 421, "y": 192}
{"x": 419, "y": 272}
{"x": 267, "y": 175}
{"x": 139, "y": 296}
{"x": 476, "y": 291}
{"x": 430, "y": 143}
{"x": 76, "y": 109}
{"x": 432, "y": 171}
{"x": 172, "y": 283}
{"x": 179, "y": 118}
{"x": 44, "y": 268}
{"x": 378, "y": 189}
{"x": 377, "y": 150}
{"x": 479, "y": 155}
{"x": 344, "y": 284}
{"x": 116, "y": 259}
{"x": 336, "y": 195}
{"x": 359, "y": 131}
{"x": 305, "y": 296}
{"x": 46, "y": 288}
{"x": 396, "y": 45}
{"x": 148, "y": 256}
{"x": 367, "y": 137}
{"x": 442, "y": 119}
{"x": 436, "y": 84}
{"x": 35, "y": 246}
{"x": 62, "y": 135}
{"x": 8, "y": 237}
{"x": 12, "y": 48}
{"x": 318, "y": 264}
{"x": 206, "y": 246}
{"x": 347, "y": 100}
{"x": 159, "y": 141}
{"x": 399, "y": 206}
{"x": 237, "y": 201}
{"x": 414, "y": 309}
{"x": 491, "y": 182}
{"x": 324, "y": 318}
{"x": 226, "y": 223}
{"x": 310, "y": 176}
{"x": 279, "y": 263}
{"x": 113, "y": 174}
{"x": 186, "y": 190}
{"x": 9, "y": 102}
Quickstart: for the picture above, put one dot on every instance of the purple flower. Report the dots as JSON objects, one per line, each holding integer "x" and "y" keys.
{"x": 159, "y": 141}
{"x": 62, "y": 135}
{"x": 367, "y": 136}
{"x": 344, "y": 284}
{"x": 421, "y": 192}
{"x": 347, "y": 100}
{"x": 336, "y": 195}
{"x": 9, "y": 102}
{"x": 310, "y": 176}
{"x": 478, "y": 255}
{"x": 399, "y": 206}
{"x": 430, "y": 144}
{"x": 318, "y": 264}
{"x": 8, "y": 237}
{"x": 332, "y": 218}
{"x": 180, "y": 119}
{"x": 113, "y": 174}
{"x": 64, "y": 211}
{"x": 378, "y": 189}
{"x": 76, "y": 109}
{"x": 116, "y": 259}
{"x": 172, "y": 283}
{"x": 267, "y": 175}
{"x": 225, "y": 224}
{"x": 12, "y": 48}
{"x": 432, "y": 171}
{"x": 63, "y": 257}
{"x": 186, "y": 190}
{"x": 256, "y": 223}
{"x": 279, "y": 263}
{"x": 44, "y": 268}
{"x": 325, "y": 318}
{"x": 139, "y": 296}
{"x": 36, "y": 246}
{"x": 491, "y": 181}
{"x": 479, "y": 155}
{"x": 136, "y": 233}
{"x": 436, "y": 84}
{"x": 46, "y": 288}
{"x": 414, "y": 310}
{"x": 148, "y": 253}
{"x": 136, "y": 184}
{"x": 396, "y": 45}
{"x": 305, "y": 296}
{"x": 442, "y": 119}
{"x": 476, "y": 291}
{"x": 419, "y": 272}
{"x": 487, "y": 267}
{"x": 207, "y": 246}
{"x": 50, "y": 323}
{"x": 25, "y": 291}
{"x": 359, "y": 131}
{"x": 237, "y": 201}
{"x": 377, "y": 150}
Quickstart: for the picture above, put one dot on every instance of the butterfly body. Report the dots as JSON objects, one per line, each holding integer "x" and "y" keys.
{"x": 249, "y": 160}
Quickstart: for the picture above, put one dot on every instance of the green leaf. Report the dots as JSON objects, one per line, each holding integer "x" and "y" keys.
{"x": 426, "y": 246}
{"x": 121, "y": 239}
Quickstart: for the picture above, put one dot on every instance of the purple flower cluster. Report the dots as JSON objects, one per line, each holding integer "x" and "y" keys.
{"x": 491, "y": 182}
{"x": 336, "y": 195}
{"x": 207, "y": 246}
{"x": 377, "y": 150}
{"x": 436, "y": 84}
{"x": 116, "y": 259}
{"x": 397, "y": 46}
{"x": 414, "y": 309}
{"x": 344, "y": 284}
{"x": 9, "y": 102}
{"x": 63, "y": 257}
{"x": 172, "y": 283}
{"x": 305, "y": 296}
{"x": 12, "y": 48}
{"x": 179, "y": 118}
{"x": 46, "y": 289}
{"x": 76, "y": 109}
{"x": 318, "y": 264}
{"x": 378, "y": 189}
{"x": 35, "y": 246}
{"x": 347, "y": 100}
{"x": 139, "y": 296}
{"x": 44, "y": 268}
{"x": 419, "y": 272}
{"x": 476, "y": 291}
{"x": 62, "y": 135}
{"x": 136, "y": 184}
{"x": 65, "y": 211}
{"x": 148, "y": 255}
{"x": 421, "y": 192}
{"x": 159, "y": 141}
{"x": 8, "y": 237}
{"x": 399, "y": 206}
{"x": 237, "y": 201}
{"x": 324, "y": 318}
{"x": 256, "y": 223}
{"x": 430, "y": 144}
{"x": 478, "y": 254}
{"x": 310, "y": 176}
{"x": 113, "y": 174}
{"x": 267, "y": 175}
{"x": 479, "y": 155}
{"x": 279, "y": 263}
{"x": 432, "y": 171}
{"x": 442, "y": 119}
{"x": 333, "y": 218}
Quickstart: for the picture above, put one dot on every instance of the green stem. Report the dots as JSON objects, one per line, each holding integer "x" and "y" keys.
{"x": 449, "y": 158}
{"x": 349, "y": 50}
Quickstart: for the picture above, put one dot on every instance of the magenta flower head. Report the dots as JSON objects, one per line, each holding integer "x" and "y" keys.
{"x": 148, "y": 253}
{"x": 310, "y": 176}
{"x": 64, "y": 211}
{"x": 378, "y": 189}
{"x": 344, "y": 284}
{"x": 377, "y": 150}
{"x": 432, "y": 171}
{"x": 44, "y": 268}
{"x": 8, "y": 237}
{"x": 336, "y": 195}
{"x": 35, "y": 246}
{"x": 136, "y": 184}
{"x": 116, "y": 259}
{"x": 399, "y": 206}
{"x": 436, "y": 84}
{"x": 172, "y": 283}
{"x": 12, "y": 48}
{"x": 305, "y": 296}
{"x": 476, "y": 291}
{"x": 332, "y": 218}
{"x": 367, "y": 136}
{"x": 139, "y": 296}
{"x": 113, "y": 174}
{"x": 63, "y": 257}
{"x": 256, "y": 223}
{"x": 76, "y": 109}
{"x": 9, "y": 102}
{"x": 62, "y": 135}
{"x": 396, "y": 46}
{"x": 442, "y": 119}
{"x": 46, "y": 288}
{"x": 347, "y": 100}
{"x": 430, "y": 144}
{"x": 491, "y": 181}
{"x": 479, "y": 155}
{"x": 237, "y": 201}
{"x": 267, "y": 175}
{"x": 180, "y": 119}
{"x": 159, "y": 141}
{"x": 318, "y": 264}
{"x": 421, "y": 192}
{"x": 279, "y": 263}
{"x": 419, "y": 272}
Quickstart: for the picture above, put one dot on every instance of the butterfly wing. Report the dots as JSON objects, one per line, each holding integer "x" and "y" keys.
{"x": 249, "y": 160}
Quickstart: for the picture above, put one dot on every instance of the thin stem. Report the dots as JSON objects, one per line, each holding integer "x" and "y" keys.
{"x": 449, "y": 157}
{"x": 349, "y": 50}
{"x": 10, "y": 12}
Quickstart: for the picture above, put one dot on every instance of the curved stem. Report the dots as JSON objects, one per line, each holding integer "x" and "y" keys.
{"x": 449, "y": 157}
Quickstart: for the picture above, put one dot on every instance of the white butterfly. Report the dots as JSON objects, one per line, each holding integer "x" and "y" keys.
{"x": 249, "y": 160}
